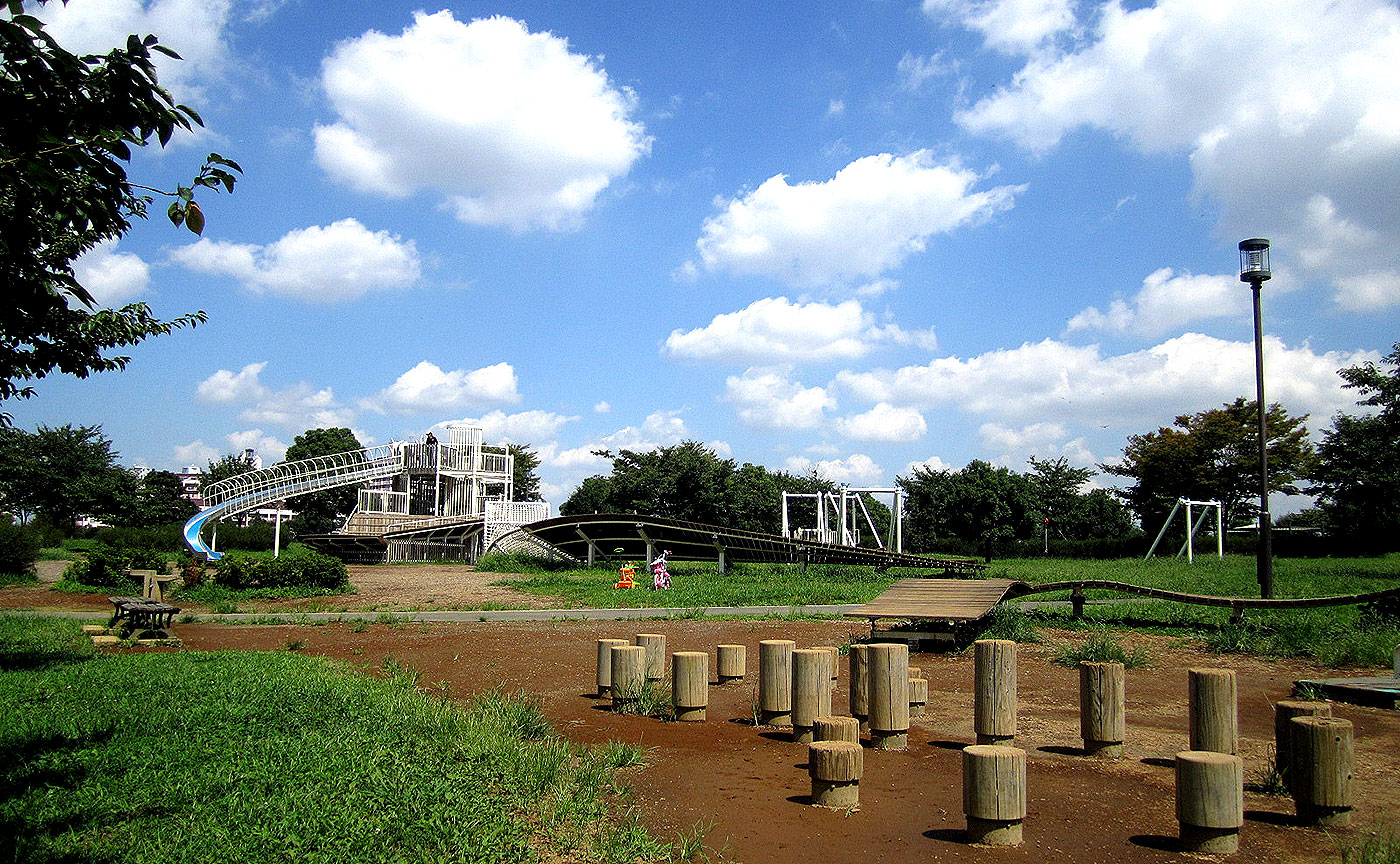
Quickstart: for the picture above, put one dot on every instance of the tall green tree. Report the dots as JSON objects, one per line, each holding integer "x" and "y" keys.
{"x": 1213, "y": 455}
{"x": 70, "y": 124}
{"x": 157, "y": 500}
{"x": 221, "y": 469}
{"x": 525, "y": 482}
{"x": 1068, "y": 513}
{"x": 1358, "y": 462}
{"x": 980, "y": 503}
{"x": 62, "y": 473}
{"x": 324, "y": 511}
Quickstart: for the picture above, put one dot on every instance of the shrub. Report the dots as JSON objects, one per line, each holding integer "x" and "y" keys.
{"x": 165, "y": 538}
{"x": 298, "y": 567}
{"x": 105, "y": 567}
{"x": 19, "y": 547}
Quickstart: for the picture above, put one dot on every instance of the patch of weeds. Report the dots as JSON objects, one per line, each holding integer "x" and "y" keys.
{"x": 625, "y": 754}
{"x": 403, "y": 674}
{"x": 1009, "y": 621}
{"x": 360, "y": 626}
{"x": 293, "y": 644}
{"x": 1102, "y": 646}
{"x": 390, "y": 620}
{"x": 1310, "y": 691}
{"x": 1270, "y": 779}
{"x": 1235, "y": 637}
{"x": 520, "y": 714}
{"x": 1381, "y": 846}
{"x": 689, "y": 843}
{"x": 691, "y": 613}
{"x": 652, "y": 699}
{"x": 224, "y": 607}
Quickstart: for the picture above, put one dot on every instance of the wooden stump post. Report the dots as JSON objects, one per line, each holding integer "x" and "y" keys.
{"x": 604, "y": 675}
{"x": 629, "y": 674}
{"x": 1321, "y": 770}
{"x": 811, "y": 691}
{"x": 918, "y": 696}
{"x": 835, "y": 654}
{"x": 832, "y": 728}
{"x": 915, "y": 672}
{"x": 994, "y": 705}
{"x": 1101, "y": 706}
{"x": 1213, "y": 712}
{"x": 889, "y": 696}
{"x": 1284, "y": 711}
{"x": 835, "y": 769}
{"x": 775, "y": 681}
{"x": 860, "y": 685}
{"x": 655, "y": 643}
{"x": 994, "y": 793}
{"x": 690, "y": 684}
{"x": 1209, "y": 801}
{"x": 731, "y": 663}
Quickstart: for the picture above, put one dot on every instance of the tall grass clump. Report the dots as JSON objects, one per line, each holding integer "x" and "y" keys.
{"x": 1340, "y": 636}
{"x": 1102, "y": 646}
{"x": 1009, "y": 621}
{"x": 281, "y": 757}
{"x": 1380, "y": 846}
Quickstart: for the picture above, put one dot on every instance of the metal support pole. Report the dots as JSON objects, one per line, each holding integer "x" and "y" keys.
{"x": 277, "y": 531}
{"x": 1264, "y": 560}
{"x": 1219, "y": 531}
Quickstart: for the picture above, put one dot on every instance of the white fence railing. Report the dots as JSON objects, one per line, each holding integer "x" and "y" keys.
{"x": 304, "y": 475}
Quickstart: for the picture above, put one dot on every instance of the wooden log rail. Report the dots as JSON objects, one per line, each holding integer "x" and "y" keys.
{"x": 1238, "y": 604}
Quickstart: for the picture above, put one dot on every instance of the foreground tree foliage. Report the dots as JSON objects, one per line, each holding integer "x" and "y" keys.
{"x": 1358, "y": 462}
{"x": 525, "y": 483}
{"x": 1213, "y": 455}
{"x": 67, "y": 126}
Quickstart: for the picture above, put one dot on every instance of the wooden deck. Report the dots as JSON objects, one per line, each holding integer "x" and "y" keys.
{"x": 946, "y": 600}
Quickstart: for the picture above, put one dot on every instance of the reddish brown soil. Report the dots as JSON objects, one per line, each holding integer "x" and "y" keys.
{"x": 750, "y": 785}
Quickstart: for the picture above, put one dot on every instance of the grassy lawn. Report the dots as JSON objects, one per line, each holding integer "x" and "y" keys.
{"x": 271, "y": 756}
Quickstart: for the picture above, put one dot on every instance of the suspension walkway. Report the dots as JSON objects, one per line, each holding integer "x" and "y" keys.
{"x": 270, "y": 485}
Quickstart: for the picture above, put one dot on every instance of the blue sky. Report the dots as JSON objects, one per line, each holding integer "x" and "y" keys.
{"x": 852, "y": 236}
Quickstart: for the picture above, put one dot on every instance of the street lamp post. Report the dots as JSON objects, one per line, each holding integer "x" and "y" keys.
{"x": 1254, "y": 269}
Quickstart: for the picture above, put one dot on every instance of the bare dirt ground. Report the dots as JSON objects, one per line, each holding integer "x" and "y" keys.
{"x": 749, "y": 784}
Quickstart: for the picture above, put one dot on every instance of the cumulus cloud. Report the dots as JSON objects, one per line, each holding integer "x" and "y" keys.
{"x": 269, "y": 448}
{"x": 862, "y": 222}
{"x": 915, "y": 71}
{"x": 112, "y": 278}
{"x": 1015, "y": 446}
{"x": 323, "y": 264}
{"x": 1366, "y": 292}
{"x": 297, "y": 407}
{"x": 1289, "y": 141}
{"x": 524, "y": 427}
{"x": 228, "y": 386}
{"x": 767, "y": 398}
{"x": 659, "y": 429}
{"x": 197, "y": 28}
{"x": 857, "y": 469}
{"x": 932, "y": 463}
{"x": 776, "y": 329}
{"x": 1051, "y": 381}
{"x": 884, "y": 422}
{"x": 1009, "y": 26}
{"x": 509, "y": 127}
{"x": 196, "y": 454}
{"x": 427, "y": 387}
{"x": 1168, "y": 301}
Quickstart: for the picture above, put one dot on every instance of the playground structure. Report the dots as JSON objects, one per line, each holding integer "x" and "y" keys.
{"x": 843, "y": 506}
{"x": 1188, "y": 547}
{"x": 418, "y": 500}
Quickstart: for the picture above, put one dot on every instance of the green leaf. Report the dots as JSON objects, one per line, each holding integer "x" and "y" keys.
{"x": 176, "y": 213}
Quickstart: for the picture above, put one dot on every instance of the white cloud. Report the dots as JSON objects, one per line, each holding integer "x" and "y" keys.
{"x": 112, "y": 278}
{"x": 916, "y": 71}
{"x": 228, "y": 386}
{"x": 835, "y": 108}
{"x": 1365, "y": 292}
{"x": 1009, "y": 26}
{"x": 932, "y": 463}
{"x": 857, "y": 469}
{"x": 269, "y": 448}
{"x": 1289, "y": 139}
{"x": 194, "y": 28}
{"x": 866, "y": 220}
{"x": 777, "y": 330}
{"x": 298, "y": 407}
{"x": 766, "y": 398}
{"x": 602, "y": 408}
{"x": 508, "y": 126}
{"x": 195, "y": 453}
{"x": 1051, "y": 381}
{"x": 1015, "y": 446}
{"x": 884, "y": 422}
{"x": 525, "y": 427}
{"x": 659, "y": 429}
{"x": 324, "y": 264}
{"x": 1168, "y": 301}
{"x": 426, "y": 387}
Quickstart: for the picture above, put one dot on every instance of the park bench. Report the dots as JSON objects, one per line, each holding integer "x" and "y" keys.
{"x": 142, "y": 617}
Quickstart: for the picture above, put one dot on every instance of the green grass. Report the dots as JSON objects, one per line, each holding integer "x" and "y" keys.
{"x": 26, "y": 578}
{"x": 273, "y": 756}
{"x": 1381, "y": 845}
{"x": 1102, "y": 646}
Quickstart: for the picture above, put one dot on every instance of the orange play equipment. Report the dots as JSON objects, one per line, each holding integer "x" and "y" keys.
{"x": 627, "y": 571}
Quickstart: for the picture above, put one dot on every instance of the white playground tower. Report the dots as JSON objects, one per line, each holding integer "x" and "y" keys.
{"x": 845, "y": 506}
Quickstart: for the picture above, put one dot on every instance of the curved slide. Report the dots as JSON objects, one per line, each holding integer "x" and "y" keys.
{"x": 270, "y": 485}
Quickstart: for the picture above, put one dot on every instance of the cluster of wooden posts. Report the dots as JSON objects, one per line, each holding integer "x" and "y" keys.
{"x": 795, "y": 687}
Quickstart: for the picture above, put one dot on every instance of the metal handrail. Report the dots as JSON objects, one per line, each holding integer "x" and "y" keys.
{"x": 306, "y": 475}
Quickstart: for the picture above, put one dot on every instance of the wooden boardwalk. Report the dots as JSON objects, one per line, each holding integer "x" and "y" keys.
{"x": 945, "y": 600}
